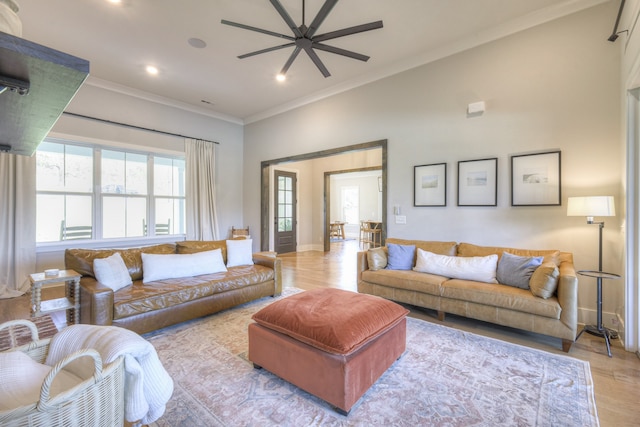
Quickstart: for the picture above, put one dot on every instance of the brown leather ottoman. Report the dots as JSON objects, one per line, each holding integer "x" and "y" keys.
{"x": 331, "y": 343}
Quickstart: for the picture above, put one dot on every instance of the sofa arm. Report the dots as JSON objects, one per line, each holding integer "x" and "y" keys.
{"x": 96, "y": 302}
{"x": 362, "y": 265}
{"x": 568, "y": 295}
{"x": 274, "y": 263}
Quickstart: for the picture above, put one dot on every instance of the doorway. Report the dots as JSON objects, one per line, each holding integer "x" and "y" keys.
{"x": 285, "y": 202}
{"x": 267, "y": 178}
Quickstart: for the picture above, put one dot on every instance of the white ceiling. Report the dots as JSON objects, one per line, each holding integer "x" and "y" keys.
{"x": 120, "y": 40}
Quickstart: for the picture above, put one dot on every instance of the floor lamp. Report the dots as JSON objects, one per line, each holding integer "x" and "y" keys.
{"x": 591, "y": 207}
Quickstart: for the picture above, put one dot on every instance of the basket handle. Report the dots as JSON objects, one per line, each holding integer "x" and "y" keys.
{"x": 45, "y": 398}
{"x": 22, "y": 322}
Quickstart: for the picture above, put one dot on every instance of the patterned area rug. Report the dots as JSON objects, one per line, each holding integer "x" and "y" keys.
{"x": 22, "y": 335}
{"x": 446, "y": 377}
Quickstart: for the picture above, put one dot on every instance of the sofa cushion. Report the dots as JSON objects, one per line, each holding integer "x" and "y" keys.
{"x": 496, "y": 295}
{"x": 81, "y": 260}
{"x": 400, "y": 257}
{"x": 544, "y": 280}
{"x": 481, "y": 269}
{"x": 112, "y": 271}
{"x": 144, "y": 298}
{"x": 239, "y": 252}
{"x": 332, "y": 320}
{"x": 467, "y": 249}
{"x": 377, "y": 258}
{"x": 193, "y": 246}
{"x": 171, "y": 266}
{"x": 406, "y": 279}
{"x": 515, "y": 270}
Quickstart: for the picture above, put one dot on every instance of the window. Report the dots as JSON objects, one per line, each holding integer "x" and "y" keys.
{"x": 90, "y": 192}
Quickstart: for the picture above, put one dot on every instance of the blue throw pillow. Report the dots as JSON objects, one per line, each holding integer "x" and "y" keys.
{"x": 514, "y": 270}
{"x": 400, "y": 257}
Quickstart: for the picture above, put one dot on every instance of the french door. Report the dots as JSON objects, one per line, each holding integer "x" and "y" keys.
{"x": 285, "y": 222}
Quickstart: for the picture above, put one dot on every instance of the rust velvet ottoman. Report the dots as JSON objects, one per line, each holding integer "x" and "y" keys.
{"x": 331, "y": 343}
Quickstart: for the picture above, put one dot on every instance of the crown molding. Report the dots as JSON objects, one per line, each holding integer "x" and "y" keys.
{"x": 136, "y": 93}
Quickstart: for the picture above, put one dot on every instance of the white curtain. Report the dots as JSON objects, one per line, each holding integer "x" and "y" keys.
{"x": 17, "y": 223}
{"x": 202, "y": 219}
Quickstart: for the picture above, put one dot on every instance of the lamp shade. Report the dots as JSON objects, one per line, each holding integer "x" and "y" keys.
{"x": 591, "y": 206}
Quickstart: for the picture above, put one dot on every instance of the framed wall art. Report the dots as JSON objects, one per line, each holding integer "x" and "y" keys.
{"x": 535, "y": 179}
{"x": 478, "y": 182}
{"x": 430, "y": 185}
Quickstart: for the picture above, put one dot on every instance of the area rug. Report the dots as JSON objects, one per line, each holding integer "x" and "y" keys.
{"x": 22, "y": 335}
{"x": 446, "y": 377}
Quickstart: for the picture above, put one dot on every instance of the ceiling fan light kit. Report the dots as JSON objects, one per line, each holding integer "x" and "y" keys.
{"x": 305, "y": 38}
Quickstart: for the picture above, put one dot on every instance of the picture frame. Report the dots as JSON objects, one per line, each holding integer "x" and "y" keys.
{"x": 430, "y": 185}
{"x": 478, "y": 182}
{"x": 536, "y": 180}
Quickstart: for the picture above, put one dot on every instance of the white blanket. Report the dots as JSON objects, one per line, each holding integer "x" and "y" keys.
{"x": 148, "y": 386}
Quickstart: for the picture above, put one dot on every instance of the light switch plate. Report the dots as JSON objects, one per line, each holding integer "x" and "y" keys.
{"x": 401, "y": 219}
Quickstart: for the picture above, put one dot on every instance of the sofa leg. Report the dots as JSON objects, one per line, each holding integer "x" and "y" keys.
{"x": 441, "y": 316}
{"x": 566, "y": 345}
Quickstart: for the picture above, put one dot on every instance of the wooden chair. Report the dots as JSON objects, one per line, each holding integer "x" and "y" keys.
{"x": 370, "y": 234}
{"x": 240, "y": 233}
{"x": 76, "y": 232}
{"x": 160, "y": 228}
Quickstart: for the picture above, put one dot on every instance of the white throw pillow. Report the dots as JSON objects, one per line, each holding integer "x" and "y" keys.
{"x": 112, "y": 271}
{"x": 239, "y": 252}
{"x": 171, "y": 266}
{"x": 21, "y": 380}
{"x": 477, "y": 268}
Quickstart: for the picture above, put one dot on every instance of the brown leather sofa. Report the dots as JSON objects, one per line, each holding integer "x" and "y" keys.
{"x": 146, "y": 307}
{"x": 556, "y": 316}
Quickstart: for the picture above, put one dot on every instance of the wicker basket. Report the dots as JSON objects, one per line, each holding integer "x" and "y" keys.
{"x": 97, "y": 401}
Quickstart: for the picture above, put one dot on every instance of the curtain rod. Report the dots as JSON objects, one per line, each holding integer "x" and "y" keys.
{"x": 133, "y": 126}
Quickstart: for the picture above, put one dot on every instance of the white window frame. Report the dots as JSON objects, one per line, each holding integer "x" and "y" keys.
{"x": 99, "y": 242}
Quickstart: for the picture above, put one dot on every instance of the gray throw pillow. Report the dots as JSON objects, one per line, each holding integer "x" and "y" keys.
{"x": 514, "y": 270}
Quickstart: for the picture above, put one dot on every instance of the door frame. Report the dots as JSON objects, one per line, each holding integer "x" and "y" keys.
{"x": 265, "y": 182}
{"x": 327, "y": 202}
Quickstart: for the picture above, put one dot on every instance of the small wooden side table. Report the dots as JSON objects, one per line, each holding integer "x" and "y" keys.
{"x": 70, "y": 302}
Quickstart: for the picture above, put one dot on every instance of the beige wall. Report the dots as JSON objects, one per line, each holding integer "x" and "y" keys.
{"x": 552, "y": 87}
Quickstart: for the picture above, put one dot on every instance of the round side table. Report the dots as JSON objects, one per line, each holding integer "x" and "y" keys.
{"x": 599, "y": 330}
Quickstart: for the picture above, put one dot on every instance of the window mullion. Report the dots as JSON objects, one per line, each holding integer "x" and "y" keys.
{"x": 97, "y": 193}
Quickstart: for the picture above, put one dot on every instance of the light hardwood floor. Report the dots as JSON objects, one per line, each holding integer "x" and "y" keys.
{"x": 616, "y": 379}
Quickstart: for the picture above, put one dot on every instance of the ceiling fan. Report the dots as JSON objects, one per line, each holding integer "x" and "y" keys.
{"x": 305, "y": 38}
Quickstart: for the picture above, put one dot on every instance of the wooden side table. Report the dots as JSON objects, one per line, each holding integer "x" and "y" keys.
{"x": 70, "y": 302}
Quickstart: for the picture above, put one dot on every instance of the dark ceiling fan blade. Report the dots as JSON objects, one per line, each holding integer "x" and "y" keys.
{"x": 320, "y": 17}
{"x": 339, "y": 51}
{"x": 259, "y": 30}
{"x": 286, "y": 18}
{"x": 292, "y": 58}
{"x": 348, "y": 31}
{"x": 269, "y": 49}
{"x": 316, "y": 60}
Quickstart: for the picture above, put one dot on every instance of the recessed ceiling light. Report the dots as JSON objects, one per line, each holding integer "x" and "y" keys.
{"x": 197, "y": 43}
{"x": 281, "y": 77}
{"x": 152, "y": 70}
{"x": 115, "y": 1}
